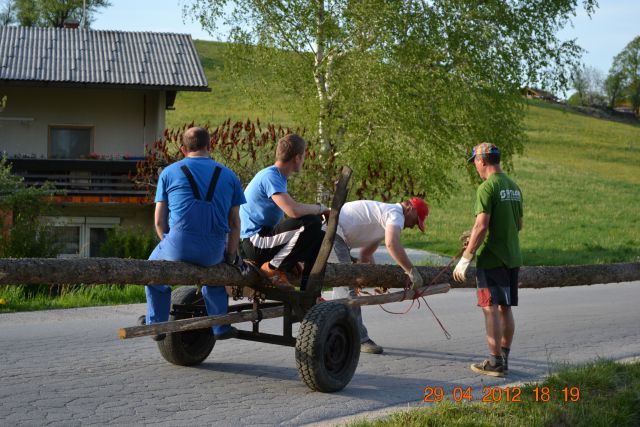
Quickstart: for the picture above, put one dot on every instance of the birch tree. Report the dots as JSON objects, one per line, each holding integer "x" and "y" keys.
{"x": 400, "y": 90}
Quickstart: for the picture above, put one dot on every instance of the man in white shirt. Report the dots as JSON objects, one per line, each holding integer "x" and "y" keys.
{"x": 365, "y": 224}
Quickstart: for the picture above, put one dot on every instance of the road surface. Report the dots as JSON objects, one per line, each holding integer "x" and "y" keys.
{"x": 68, "y": 367}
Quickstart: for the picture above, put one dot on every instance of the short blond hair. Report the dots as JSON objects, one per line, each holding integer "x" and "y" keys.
{"x": 290, "y": 146}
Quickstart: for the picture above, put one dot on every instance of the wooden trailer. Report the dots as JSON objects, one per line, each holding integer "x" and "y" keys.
{"x": 327, "y": 343}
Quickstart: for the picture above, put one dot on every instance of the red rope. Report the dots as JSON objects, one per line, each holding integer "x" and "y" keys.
{"x": 419, "y": 295}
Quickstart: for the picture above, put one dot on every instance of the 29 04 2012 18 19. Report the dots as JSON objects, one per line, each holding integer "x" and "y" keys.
{"x": 498, "y": 394}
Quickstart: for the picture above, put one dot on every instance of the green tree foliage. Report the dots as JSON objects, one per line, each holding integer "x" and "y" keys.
{"x": 53, "y": 13}
{"x": 399, "y": 90}
{"x": 626, "y": 65}
{"x": 589, "y": 84}
{"x": 614, "y": 85}
{"x": 136, "y": 243}
{"x": 23, "y": 234}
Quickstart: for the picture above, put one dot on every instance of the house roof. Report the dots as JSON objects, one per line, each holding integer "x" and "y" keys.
{"x": 64, "y": 56}
{"x": 541, "y": 92}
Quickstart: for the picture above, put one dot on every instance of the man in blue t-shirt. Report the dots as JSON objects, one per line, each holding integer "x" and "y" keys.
{"x": 197, "y": 220}
{"x": 275, "y": 244}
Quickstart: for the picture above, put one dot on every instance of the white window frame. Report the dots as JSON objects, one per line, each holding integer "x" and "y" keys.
{"x": 86, "y": 223}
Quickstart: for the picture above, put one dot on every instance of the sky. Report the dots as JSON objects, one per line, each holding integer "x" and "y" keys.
{"x": 614, "y": 24}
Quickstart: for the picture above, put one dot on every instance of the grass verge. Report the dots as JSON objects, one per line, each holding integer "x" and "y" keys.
{"x": 17, "y": 298}
{"x": 609, "y": 396}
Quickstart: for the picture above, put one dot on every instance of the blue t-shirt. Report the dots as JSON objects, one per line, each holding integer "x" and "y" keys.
{"x": 260, "y": 210}
{"x": 174, "y": 188}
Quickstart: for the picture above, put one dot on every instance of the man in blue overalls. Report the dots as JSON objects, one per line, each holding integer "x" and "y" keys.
{"x": 197, "y": 219}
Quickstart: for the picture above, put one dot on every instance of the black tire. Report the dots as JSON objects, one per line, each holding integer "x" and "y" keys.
{"x": 187, "y": 348}
{"x": 328, "y": 347}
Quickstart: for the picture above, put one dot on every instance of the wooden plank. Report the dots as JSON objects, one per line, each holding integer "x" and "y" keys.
{"x": 268, "y": 313}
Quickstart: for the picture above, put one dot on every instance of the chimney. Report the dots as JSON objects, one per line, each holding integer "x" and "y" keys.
{"x": 71, "y": 23}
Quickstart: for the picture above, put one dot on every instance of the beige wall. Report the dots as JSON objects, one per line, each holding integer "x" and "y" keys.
{"x": 122, "y": 122}
{"x": 131, "y": 216}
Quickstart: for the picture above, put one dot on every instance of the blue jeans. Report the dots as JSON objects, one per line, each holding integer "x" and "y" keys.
{"x": 341, "y": 254}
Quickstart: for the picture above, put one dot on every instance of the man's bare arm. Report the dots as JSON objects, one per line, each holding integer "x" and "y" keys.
{"x": 397, "y": 252}
{"x": 294, "y": 209}
{"x": 478, "y": 233}
{"x": 234, "y": 234}
{"x": 161, "y": 219}
{"x": 366, "y": 253}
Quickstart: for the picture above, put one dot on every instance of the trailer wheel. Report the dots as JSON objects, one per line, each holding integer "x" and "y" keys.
{"x": 328, "y": 347}
{"x": 190, "y": 347}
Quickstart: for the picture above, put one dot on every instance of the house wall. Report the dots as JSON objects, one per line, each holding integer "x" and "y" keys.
{"x": 84, "y": 226}
{"x": 123, "y": 121}
{"x": 130, "y": 216}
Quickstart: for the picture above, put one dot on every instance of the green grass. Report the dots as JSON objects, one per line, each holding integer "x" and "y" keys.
{"x": 609, "y": 396}
{"x": 224, "y": 101}
{"x": 581, "y": 183}
{"x": 13, "y": 297}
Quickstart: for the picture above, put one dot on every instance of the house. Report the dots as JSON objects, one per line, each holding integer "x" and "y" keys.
{"x": 533, "y": 93}
{"x": 80, "y": 107}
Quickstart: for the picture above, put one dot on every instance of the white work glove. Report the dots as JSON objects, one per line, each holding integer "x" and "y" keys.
{"x": 416, "y": 279}
{"x": 461, "y": 268}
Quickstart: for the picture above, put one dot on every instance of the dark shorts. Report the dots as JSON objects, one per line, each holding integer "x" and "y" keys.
{"x": 497, "y": 286}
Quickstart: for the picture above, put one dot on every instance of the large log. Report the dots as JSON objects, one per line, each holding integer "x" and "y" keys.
{"x": 530, "y": 276}
{"x": 267, "y": 313}
{"x": 142, "y": 272}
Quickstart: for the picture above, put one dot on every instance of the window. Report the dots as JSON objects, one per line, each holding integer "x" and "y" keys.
{"x": 79, "y": 236}
{"x": 70, "y": 142}
{"x": 68, "y": 239}
{"x": 97, "y": 237}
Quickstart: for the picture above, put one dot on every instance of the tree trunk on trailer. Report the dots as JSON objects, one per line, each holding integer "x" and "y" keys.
{"x": 143, "y": 272}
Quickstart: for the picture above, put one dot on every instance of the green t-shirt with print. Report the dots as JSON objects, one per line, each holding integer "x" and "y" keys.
{"x": 501, "y": 198}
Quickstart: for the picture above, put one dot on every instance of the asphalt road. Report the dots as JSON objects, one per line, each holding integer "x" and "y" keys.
{"x": 68, "y": 367}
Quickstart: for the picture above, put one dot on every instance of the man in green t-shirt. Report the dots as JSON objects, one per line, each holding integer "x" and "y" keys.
{"x": 494, "y": 236}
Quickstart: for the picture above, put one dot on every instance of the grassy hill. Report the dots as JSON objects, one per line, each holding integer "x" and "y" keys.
{"x": 580, "y": 178}
{"x": 224, "y": 100}
{"x": 581, "y": 183}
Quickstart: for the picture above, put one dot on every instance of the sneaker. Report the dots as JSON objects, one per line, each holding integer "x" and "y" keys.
{"x": 487, "y": 368}
{"x": 142, "y": 320}
{"x": 370, "y": 347}
{"x": 231, "y": 333}
{"x": 278, "y": 278}
{"x": 505, "y": 363}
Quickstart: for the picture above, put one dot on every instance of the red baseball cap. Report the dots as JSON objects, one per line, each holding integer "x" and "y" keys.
{"x": 422, "y": 209}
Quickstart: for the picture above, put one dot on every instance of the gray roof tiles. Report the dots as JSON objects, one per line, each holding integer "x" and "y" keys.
{"x": 100, "y": 57}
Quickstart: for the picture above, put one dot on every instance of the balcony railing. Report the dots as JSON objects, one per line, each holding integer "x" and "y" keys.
{"x": 80, "y": 177}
